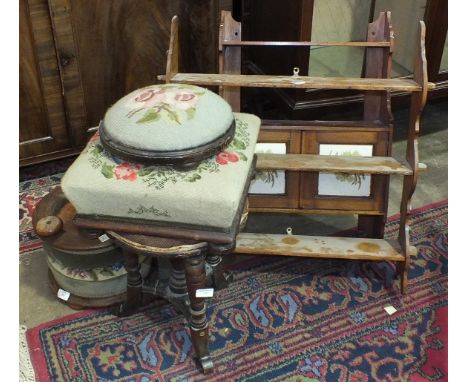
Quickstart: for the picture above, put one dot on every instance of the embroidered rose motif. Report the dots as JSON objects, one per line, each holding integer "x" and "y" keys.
{"x": 167, "y": 101}
{"x": 151, "y": 97}
{"x": 225, "y": 157}
{"x": 145, "y": 96}
{"x": 113, "y": 168}
{"x": 127, "y": 171}
{"x": 186, "y": 100}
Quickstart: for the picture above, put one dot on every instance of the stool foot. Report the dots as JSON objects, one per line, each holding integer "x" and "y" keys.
{"x": 196, "y": 279}
{"x": 207, "y": 364}
{"x": 124, "y": 310}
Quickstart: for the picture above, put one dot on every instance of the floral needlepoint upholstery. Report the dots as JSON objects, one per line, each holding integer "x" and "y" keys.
{"x": 92, "y": 280}
{"x": 98, "y": 183}
{"x": 168, "y": 117}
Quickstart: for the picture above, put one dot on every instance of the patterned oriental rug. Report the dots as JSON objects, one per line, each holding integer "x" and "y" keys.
{"x": 282, "y": 319}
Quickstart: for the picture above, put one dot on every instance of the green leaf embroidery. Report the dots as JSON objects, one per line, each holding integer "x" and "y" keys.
{"x": 190, "y": 113}
{"x": 241, "y": 156}
{"x": 98, "y": 149}
{"x": 237, "y": 144}
{"x": 145, "y": 171}
{"x": 194, "y": 178}
{"x": 107, "y": 170}
{"x": 150, "y": 116}
{"x": 171, "y": 114}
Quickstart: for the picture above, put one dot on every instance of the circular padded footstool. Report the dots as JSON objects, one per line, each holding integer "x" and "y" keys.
{"x": 168, "y": 125}
{"x": 91, "y": 270}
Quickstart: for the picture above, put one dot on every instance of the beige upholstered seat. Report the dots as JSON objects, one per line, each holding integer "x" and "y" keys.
{"x": 209, "y": 196}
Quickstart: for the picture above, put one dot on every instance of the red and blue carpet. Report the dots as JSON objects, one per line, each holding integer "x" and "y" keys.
{"x": 282, "y": 319}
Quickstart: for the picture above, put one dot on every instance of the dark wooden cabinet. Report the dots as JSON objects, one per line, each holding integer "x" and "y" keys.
{"x": 78, "y": 57}
{"x": 42, "y": 119}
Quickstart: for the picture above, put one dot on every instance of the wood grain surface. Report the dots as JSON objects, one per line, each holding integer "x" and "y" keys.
{"x": 299, "y": 82}
{"x": 332, "y": 163}
{"x": 43, "y": 126}
{"x": 318, "y": 246}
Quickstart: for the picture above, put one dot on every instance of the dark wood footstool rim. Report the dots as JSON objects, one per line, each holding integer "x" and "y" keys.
{"x": 182, "y": 159}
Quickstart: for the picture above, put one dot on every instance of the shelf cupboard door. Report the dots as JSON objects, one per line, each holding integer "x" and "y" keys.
{"x": 42, "y": 122}
{"x": 344, "y": 192}
{"x": 276, "y": 189}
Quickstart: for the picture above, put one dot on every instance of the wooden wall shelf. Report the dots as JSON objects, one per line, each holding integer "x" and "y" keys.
{"x": 332, "y": 164}
{"x": 297, "y": 82}
{"x": 304, "y": 139}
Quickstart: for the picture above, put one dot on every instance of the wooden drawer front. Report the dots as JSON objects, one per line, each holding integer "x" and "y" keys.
{"x": 345, "y": 192}
{"x": 276, "y": 189}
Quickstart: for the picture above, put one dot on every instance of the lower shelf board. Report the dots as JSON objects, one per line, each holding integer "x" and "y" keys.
{"x": 319, "y": 247}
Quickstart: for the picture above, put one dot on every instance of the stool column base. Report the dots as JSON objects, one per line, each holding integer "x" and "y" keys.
{"x": 134, "y": 285}
{"x": 196, "y": 279}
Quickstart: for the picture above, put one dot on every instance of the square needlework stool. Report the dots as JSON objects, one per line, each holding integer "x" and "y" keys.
{"x": 162, "y": 211}
{"x": 101, "y": 186}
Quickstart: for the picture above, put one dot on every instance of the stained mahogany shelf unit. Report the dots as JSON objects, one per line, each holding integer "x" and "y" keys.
{"x": 377, "y": 87}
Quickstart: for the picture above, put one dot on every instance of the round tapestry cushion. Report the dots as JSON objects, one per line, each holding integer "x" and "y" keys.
{"x": 166, "y": 118}
{"x": 93, "y": 281}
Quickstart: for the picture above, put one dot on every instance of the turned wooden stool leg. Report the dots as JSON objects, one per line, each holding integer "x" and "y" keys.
{"x": 219, "y": 279}
{"x": 134, "y": 285}
{"x": 176, "y": 290}
{"x": 196, "y": 279}
{"x": 177, "y": 284}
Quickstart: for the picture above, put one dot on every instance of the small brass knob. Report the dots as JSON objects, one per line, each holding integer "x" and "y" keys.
{"x": 48, "y": 226}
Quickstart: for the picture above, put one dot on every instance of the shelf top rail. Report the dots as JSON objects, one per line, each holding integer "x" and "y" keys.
{"x": 293, "y": 81}
{"x": 376, "y": 44}
{"x": 297, "y": 82}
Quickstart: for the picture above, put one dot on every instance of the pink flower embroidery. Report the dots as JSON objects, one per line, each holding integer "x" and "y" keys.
{"x": 95, "y": 137}
{"x": 181, "y": 99}
{"x": 225, "y": 157}
{"x": 145, "y": 96}
{"x": 151, "y": 97}
{"x": 127, "y": 171}
{"x": 185, "y": 97}
{"x": 172, "y": 103}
